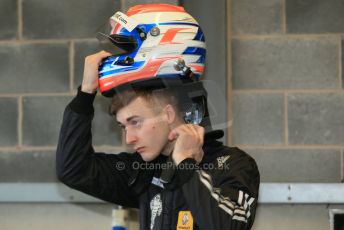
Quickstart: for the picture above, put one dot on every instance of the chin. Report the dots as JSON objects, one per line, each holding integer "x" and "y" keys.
{"x": 146, "y": 156}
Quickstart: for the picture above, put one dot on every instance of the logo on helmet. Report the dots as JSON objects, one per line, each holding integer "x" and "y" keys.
{"x": 118, "y": 16}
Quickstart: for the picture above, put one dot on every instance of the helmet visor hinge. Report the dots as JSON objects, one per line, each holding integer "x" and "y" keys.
{"x": 127, "y": 61}
{"x": 180, "y": 66}
{"x": 155, "y": 31}
{"x": 142, "y": 34}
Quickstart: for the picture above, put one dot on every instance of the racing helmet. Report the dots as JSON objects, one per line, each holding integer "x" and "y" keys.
{"x": 150, "y": 41}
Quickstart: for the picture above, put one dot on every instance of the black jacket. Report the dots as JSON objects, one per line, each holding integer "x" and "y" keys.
{"x": 219, "y": 193}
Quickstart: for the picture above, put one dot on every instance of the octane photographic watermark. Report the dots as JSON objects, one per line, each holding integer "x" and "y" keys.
{"x": 120, "y": 165}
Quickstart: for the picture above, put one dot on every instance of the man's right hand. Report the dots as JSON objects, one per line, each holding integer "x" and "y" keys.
{"x": 90, "y": 79}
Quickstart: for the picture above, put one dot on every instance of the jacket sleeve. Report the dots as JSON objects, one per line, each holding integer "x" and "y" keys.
{"x": 101, "y": 175}
{"x": 224, "y": 193}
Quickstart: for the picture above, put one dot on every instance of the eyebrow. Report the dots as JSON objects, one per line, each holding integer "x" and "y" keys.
{"x": 128, "y": 119}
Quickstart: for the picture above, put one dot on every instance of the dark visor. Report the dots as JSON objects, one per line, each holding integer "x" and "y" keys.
{"x": 116, "y": 44}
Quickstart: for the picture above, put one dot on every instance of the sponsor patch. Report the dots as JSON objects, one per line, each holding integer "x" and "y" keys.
{"x": 157, "y": 182}
{"x": 185, "y": 221}
{"x": 156, "y": 209}
{"x": 221, "y": 161}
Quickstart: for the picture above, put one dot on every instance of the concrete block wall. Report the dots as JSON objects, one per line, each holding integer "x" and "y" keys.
{"x": 287, "y": 85}
{"x": 288, "y": 98}
{"x": 42, "y": 49}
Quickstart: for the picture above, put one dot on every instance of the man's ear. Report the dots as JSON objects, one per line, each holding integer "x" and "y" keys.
{"x": 170, "y": 113}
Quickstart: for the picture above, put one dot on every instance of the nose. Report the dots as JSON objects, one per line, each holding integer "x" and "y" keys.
{"x": 130, "y": 138}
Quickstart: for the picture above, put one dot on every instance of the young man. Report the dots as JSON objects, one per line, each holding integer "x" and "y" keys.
{"x": 180, "y": 177}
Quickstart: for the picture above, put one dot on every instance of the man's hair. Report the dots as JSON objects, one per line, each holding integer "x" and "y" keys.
{"x": 155, "y": 97}
{"x": 184, "y": 98}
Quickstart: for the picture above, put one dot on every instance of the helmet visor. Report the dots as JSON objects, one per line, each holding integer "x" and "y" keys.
{"x": 116, "y": 44}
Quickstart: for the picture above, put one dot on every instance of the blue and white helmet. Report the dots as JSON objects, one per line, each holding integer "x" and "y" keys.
{"x": 150, "y": 41}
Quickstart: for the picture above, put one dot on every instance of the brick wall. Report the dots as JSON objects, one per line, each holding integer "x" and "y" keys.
{"x": 288, "y": 98}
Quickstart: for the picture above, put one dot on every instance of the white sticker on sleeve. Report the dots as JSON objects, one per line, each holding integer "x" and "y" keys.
{"x": 125, "y": 21}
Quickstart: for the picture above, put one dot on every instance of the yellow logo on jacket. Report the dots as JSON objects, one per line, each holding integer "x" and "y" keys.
{"x": 185, "y": 221}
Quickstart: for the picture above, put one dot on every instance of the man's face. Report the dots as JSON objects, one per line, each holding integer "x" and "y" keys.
{"x": 146, "y": 127}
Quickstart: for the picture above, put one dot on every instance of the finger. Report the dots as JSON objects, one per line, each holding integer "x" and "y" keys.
{"x": 200, "y": 131}
{"x": 197, "y": 132}
{"x": 187, "y": 129}
{"x": 173, "y": 135}
{"x": 199, "y": 157}
{"x": 178, "y": 130}
{"x": 97, "y": 57}
{"x": 104, "y": 53}
{"x": 101, "y": 55}
{"x": 192, "y": 129}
